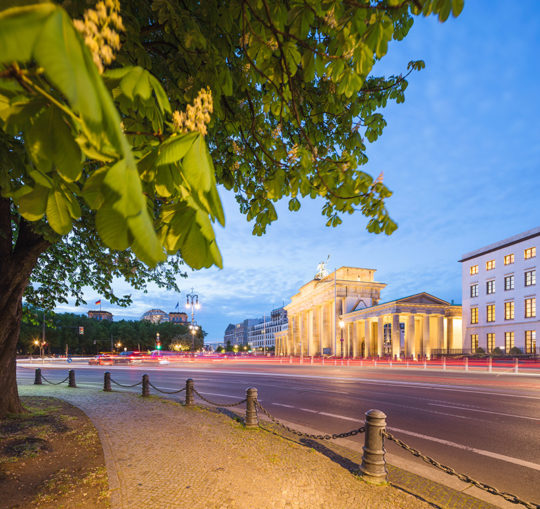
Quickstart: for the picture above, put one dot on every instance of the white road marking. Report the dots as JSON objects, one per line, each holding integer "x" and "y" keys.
{"x": 224, "y": 395}
{"x": 486, "y": 411}
{"x": 339, "y": 416}
{"x": 502, "y": 457}
{"x": 308, "y": 410}
{"x": 282, "y": 404}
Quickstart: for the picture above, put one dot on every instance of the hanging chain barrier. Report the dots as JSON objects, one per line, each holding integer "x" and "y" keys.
{"x": 462, "y": 477}
{"x": 55, "y": 383}
{"x": 218, "y": 404}
{"x": 308, "y": 435}
{"x": 165, "y": 392}
{"x": 126, "y": 386}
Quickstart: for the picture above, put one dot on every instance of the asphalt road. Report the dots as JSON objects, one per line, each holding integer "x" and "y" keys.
{"x": 484, "y": 425}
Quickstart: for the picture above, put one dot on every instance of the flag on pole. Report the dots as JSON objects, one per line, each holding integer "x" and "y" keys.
{"x": 98, "y": 302}
{"x": 177, "y": 305}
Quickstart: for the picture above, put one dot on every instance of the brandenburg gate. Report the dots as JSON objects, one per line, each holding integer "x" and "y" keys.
{"x": 339, "y": 314}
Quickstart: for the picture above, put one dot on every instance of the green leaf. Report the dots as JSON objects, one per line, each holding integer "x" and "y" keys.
{"x": 54, "y": 151}
{"x": 58, "y": 213}
{"x": 161, "y": 96}
{"x": 112, "y": 228}
{"x": 60, "y": 51}
{"x": 174, "y": 149}
{"x": 19, "y": 29}
{"x": 32, "y": 205}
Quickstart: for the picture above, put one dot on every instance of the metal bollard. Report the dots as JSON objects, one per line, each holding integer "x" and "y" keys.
{"x": 145, "y": 386}
{"x": 373, "y": 467}
{"x": 516, "y": 364}
{"x": 444, "y": 363}
{"x": 466, "y": 364}
{"x": 252, "y": 419}
{"x": 311, "y": 362}
{"x": 290, "y": 359}
{"x": 37, "y": 379}
{"x": 71, "y": 379}
{"x": 490, "y": 365}
{"x": 107, "y": 382}
{"x": 190, "y": 398}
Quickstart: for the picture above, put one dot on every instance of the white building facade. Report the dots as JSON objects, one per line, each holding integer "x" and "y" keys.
{"x": 261, "y": 335}
{"x": 499, "y": 295}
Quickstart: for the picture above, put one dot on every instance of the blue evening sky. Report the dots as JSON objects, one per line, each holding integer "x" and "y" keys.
{"x": 462, "y": 156}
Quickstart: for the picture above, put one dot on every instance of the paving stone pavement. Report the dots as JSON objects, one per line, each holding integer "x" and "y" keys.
{"x": 160, "y": 454}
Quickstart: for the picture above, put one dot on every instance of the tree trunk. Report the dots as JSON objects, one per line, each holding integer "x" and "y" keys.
{"x": 17, "y": 259}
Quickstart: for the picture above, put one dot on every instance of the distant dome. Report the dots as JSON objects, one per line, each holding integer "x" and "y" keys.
{"x": 155, "y": 316}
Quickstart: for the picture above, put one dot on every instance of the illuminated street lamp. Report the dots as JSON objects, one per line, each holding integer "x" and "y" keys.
{"x": 118, "y": 345}
{"x": 193, "y": 328}
{"x": 341, "y": 326}
{"x": 193, "y": 303}
{"x": 41, "y": 345}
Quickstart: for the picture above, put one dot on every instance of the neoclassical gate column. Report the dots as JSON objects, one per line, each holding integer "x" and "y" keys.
{"x": 321, "y": 328}
{"x": 354, "y": 332}
{"x": 426, "y": 346}
{"x": 449, "y": 333}
{"x": 440, "y": 333}
{"x": 410, "y": 337}
{"x": 396, "y": 336}
{"x": 380, "y": 335}
{"x": 309, "y": 318}
{"x": 367, "y": 336}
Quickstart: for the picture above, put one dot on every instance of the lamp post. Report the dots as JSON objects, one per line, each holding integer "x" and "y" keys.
{"x": 193, "y": 303}
{"x": 41, "y": 345}
{"x": 341, "y": 326}
{"x": 193, "y": 328}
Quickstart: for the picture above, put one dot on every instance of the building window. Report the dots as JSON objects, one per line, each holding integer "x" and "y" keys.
{"x": 508, "y": 259}
{"x": 490, "y": 264}
{"x": 490, "y": 286}
{"x": 474, "y": 290}
{"x": 490, "y": 341}
{"x": 509, "y": 282}
{"x": 509, "y": 310}
{"x": 508, "y": 341}
{"x": 474, "y": 342}
{"x": 490, "y": 313}
{"x": 530, "y": 341}
{"x": 474, "y": 315}
{"x": 530, "y": 307}
{"x": 529, "y": 253}
{"x": 530, "y": 277}
{"x": 473, "y": 270}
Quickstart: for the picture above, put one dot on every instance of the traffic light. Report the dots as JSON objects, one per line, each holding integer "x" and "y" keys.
{"x": 158, "y": 342}
{"x": 81, "y": 331}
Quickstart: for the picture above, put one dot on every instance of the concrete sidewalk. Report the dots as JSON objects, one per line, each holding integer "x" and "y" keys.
{"x": 160, "y": 454}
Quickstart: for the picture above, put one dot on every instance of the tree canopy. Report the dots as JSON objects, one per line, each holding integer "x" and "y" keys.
{"x": 117, "y": 123}
{"x": 62, "y": 329}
